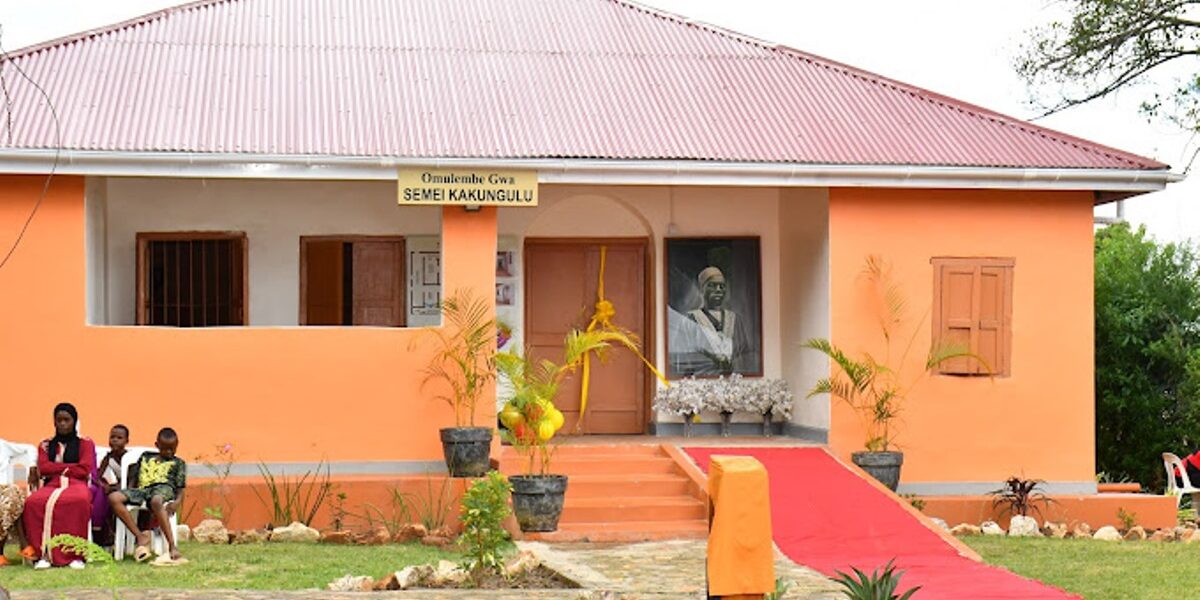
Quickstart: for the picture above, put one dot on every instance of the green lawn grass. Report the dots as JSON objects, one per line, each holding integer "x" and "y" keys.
{"x": 1098, "y": 570}
{"x": 248, "y": 567}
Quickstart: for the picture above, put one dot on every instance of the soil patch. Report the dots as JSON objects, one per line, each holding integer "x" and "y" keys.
{"x": 539, "y": 578}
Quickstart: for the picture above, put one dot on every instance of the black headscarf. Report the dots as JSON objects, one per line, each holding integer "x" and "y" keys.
{"x": 70, "y": 441}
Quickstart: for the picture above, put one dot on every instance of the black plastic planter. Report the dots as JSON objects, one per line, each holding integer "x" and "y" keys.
{"x": 884, "y": 466}
{"x": 538, "y": 501}
{"x": 467, "y": 450}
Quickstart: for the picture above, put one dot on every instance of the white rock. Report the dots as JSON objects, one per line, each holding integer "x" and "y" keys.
{"x": 991, "y": 528}
{"x": 1021, "y": 526}
{"x": 211, "y": 531}
{"x": 940, "y": 523}
{"x": 296, "y": 532}
{"x": 351, "y": 583}
{"x": 1108, "y": 533}
{"x": 183, "y": 533}
{"x": 410, "y": 577}
{"x": 525, "y": 561}
{"x": 965, "y": 529}
{"x": 448, "y": 572}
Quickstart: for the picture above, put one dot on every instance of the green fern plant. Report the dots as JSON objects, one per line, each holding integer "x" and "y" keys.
{"x": 881, "y": 584}
{"x": 870, "y": 385}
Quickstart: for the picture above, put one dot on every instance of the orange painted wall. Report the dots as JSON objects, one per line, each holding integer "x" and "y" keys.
{"x": 1037, "y": 422}
{"x": 277, "y": 394}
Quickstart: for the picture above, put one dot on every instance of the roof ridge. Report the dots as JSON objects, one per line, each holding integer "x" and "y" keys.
{"x": 106, "y": 29}
{"x": 918, "y": 92}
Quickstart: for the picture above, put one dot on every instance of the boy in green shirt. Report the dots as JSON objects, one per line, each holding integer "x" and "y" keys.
{"x": 161, "y": 480}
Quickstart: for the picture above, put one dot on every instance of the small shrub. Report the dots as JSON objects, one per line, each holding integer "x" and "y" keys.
{"x": 1185, "y": 516}
{"x": 337, "y": 510}
{"x": 92, "y": 554}
{"x": 221, "y": 465}
{"x": 294, "y": 499}
{"x": 430, "y": 509}
{"x": 433, "y": 508}
{"x": 781, "y": 587}
{"x": 1019, "y": 496}
{"x": 397, "y": 514}
{"x": 916, "y": 501}
{"x": 484, "y": 507}
{"x": 879, "y": 585}
{"x": 1128, "y": 519}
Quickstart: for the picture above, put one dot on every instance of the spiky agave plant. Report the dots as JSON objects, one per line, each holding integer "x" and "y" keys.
{"x": 881, "y": 584}
{"x": 1019, "y": 496}
{"x": 871, "y": 386}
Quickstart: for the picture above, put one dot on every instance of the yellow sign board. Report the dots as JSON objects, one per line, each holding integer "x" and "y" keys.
{"x": 472, "y": 187}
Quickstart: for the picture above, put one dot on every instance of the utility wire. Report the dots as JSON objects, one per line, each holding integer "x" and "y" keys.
{"x": 6, "y": 60}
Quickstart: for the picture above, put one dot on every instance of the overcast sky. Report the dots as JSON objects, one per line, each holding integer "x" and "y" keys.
{"x": 961, "y": 48}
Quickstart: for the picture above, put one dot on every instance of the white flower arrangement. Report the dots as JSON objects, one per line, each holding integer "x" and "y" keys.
{"x": 693, "y": 396}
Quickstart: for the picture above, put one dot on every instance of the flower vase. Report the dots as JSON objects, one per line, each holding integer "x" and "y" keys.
{"x": 767, "y": 424}
{"x": 726, "y": 417}
{"x": 687, "y": 424}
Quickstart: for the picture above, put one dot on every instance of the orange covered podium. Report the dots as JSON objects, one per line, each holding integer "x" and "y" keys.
{"x": 741, "y": 557}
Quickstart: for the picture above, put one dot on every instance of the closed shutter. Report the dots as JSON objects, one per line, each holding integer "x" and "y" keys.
{"x": 973, "y": 311}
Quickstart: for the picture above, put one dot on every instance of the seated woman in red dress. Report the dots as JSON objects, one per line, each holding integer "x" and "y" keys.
{"x": 64, "y": 502}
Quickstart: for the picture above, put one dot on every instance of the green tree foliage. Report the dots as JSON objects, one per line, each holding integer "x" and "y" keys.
{"x": 1105, "y": 45}
{"x": 484, "y": 508}
{"x": 1147, "y": 353}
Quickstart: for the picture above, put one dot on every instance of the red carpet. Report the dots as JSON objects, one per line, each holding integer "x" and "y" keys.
{"x": 826, "y": 517}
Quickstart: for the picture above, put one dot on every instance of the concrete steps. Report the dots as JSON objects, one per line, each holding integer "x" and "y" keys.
{"x": 621, "y": 494}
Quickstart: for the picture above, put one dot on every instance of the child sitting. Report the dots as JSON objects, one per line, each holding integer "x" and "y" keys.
{"x": 109, "y": 481}
{"x": 161, "y": 480}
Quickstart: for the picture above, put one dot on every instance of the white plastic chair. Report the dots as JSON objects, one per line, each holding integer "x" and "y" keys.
{"x": 1171, "y": 463}
{"x": 15, "y": 462}
{"x": 124, "y": 542}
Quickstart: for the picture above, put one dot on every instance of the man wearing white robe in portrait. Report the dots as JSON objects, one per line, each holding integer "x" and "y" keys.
{"x": 717, "y": 333}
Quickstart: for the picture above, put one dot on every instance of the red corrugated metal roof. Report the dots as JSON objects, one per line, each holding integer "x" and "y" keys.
{"x": 497, "y": 79}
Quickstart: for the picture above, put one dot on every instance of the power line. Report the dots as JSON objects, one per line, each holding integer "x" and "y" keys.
{"x": 5, "y": 60}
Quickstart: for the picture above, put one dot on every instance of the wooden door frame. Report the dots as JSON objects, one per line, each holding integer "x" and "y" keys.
{"x": 306, "y": 239}
{"x": 143, "y": 238}
{"x": 648, "y": 341}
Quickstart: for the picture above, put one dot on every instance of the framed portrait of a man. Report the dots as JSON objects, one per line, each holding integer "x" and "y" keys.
{"x": 714, "y": 307}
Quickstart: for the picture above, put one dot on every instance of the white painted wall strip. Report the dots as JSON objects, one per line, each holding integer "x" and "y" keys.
{"x": 586, "y": 171}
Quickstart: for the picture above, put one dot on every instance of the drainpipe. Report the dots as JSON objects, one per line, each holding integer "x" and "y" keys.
{"x": 1120, "y": 218}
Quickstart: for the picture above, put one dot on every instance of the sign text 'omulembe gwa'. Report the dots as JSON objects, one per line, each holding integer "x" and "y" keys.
{"x": 467, "y": 187}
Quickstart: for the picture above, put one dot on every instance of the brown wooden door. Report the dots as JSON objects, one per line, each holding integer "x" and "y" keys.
{"x": 560, "y": 284}
{"x": 378, "y": 283}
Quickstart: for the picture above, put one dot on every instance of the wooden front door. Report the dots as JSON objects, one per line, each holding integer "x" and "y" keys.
{"x": 561, "y": 277}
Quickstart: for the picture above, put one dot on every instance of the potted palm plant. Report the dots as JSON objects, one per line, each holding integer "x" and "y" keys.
{"x": 464, "y": 363}
{"x": 874, "y": 386}
{"x": 531, "y": 420}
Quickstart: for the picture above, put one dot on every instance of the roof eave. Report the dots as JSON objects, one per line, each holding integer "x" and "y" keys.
{"x": 1113, "y": 183}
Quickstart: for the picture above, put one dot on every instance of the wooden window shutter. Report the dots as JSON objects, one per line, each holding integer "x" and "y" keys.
{"x": 973, "y": 308}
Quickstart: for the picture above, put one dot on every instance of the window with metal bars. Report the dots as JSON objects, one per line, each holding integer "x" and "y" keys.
{"x": 191, "y": 279}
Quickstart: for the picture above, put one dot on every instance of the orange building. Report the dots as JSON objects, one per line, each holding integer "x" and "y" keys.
{"x": 223, "y": 245}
